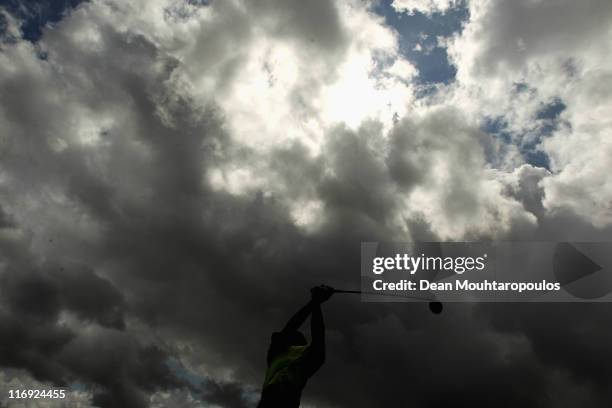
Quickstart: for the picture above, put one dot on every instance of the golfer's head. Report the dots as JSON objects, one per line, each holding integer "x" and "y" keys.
{"x": 296, "y": 338}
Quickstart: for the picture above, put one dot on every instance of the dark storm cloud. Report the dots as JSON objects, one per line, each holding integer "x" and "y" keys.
{"x": 77, "y": 284}
{"x": 5, "y": 221}
{"x": 127, "y": 237}
{"x": 119, "y": 368}
{"x": 226, "y": 395}
{"x": 360, "y": 182}
{"x": 127, "y": 370}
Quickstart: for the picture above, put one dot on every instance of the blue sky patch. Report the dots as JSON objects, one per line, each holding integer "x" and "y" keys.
{"x": 35, "y": 14}
{"x": 551, "y": 110}
{"x": 528, "y": 146}
{"x": 418, "y": 37}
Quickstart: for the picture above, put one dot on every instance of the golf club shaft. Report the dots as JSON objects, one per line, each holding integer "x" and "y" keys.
{"x": 361, "y": 292}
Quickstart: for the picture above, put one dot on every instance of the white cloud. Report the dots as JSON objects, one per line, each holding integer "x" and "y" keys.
{"x": 423, "y": 6}
{"x": 514, "y": 58}
{"x": 458, "y": 194}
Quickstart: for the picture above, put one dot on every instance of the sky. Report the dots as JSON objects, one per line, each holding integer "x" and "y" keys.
{"x": 175, "y": 175}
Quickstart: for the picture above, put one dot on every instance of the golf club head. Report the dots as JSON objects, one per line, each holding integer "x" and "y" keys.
{"x": 436, "y": 307}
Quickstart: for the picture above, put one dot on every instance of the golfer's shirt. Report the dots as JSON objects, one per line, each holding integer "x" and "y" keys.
{"x": 286, "y": 375}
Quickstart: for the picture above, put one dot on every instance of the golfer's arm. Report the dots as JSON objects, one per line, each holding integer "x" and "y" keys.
{"x": 317, "y": 330}
{"x": 299, "y": 318}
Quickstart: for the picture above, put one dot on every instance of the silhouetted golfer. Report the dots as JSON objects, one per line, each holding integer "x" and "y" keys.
{"x": 291, "y": 360}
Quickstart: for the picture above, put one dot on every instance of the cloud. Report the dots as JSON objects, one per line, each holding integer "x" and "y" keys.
{"x": 513, "y": 59}
{"x": 427, "y": 7}
{"x": 175, "y": 175}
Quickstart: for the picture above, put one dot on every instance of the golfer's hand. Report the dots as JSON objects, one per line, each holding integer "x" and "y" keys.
{"x": 321, "y": 293}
